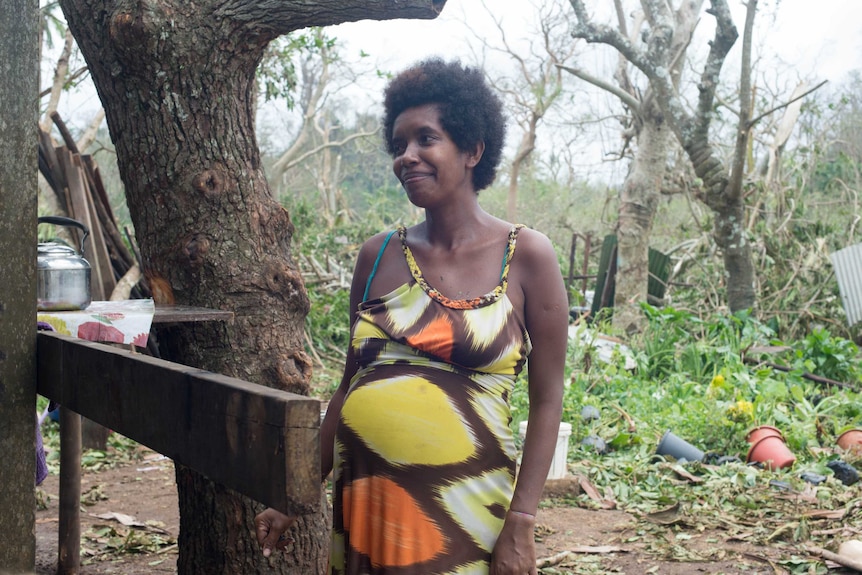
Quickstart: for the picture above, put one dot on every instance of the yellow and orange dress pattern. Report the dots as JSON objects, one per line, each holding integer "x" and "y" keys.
{"x": 424, "y": 456}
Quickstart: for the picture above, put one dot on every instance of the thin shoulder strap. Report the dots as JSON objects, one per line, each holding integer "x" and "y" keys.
{"x": 510, "y": 250}
{"x": 376, "y": 263}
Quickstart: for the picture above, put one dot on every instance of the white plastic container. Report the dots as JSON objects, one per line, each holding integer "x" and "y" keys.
{"x": 559, "y": 464}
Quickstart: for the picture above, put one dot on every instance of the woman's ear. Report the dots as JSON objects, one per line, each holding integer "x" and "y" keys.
{"x": 475, "y": 156}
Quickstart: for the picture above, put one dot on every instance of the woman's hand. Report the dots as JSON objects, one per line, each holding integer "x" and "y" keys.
{"x": 270, "y": 527}
{"x": 515, "y": 550}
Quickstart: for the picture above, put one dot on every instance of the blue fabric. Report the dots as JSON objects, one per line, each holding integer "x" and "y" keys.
{"x": 376, "y": 263}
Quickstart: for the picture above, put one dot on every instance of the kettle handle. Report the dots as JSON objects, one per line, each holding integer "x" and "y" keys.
{"x": 64, "y": 221}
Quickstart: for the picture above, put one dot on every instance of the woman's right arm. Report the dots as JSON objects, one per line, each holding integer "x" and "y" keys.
{"x": 364, "y": 264}
{"x": 270, "y": 525}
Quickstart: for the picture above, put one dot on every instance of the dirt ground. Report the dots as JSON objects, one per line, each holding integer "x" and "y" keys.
{"x": 130, "y": 521}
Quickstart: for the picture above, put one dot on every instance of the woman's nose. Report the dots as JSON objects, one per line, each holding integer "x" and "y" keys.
{"x": 409, "y": 155}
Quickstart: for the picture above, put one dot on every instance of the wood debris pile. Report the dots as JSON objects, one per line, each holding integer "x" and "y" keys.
{"x": 80, "y": 193}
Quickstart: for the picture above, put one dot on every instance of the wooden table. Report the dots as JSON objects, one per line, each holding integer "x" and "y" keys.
{"x": 223, "y": 427}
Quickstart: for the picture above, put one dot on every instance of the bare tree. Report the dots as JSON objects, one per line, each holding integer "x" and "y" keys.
{"x": 536, "y": 85}
{"x": 656, "y": 55}
{"x": 177, "y": 82}
{"x": 646, "y": 128}
{"x": 321, "y": 136}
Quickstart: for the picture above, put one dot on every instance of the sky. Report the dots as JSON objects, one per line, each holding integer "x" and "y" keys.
{"x": 798, "y": 40}
{"x": 817, "y": 39}
{"x": 822, "y": 37}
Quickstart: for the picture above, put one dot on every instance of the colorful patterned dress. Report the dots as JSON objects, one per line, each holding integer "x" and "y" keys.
{"x": 424, "y": 456}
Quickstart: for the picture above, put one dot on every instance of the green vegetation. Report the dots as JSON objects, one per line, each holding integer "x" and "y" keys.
{"x": 692, "y": 378}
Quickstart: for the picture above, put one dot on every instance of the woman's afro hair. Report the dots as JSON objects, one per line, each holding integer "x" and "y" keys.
{"x": 470, "y": 111}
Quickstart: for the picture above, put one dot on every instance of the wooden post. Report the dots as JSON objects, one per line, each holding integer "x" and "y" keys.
{"x": 19, "y": 98}
{"x": 571, "y": 277}
{"x": 588, "y": 243}
{"x": 69, "y": 528}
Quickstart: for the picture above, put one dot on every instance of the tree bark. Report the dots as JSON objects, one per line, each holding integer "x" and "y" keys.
{"x": 19, "y": 115}
{"x": 177, "y": 84}
{"x": 638, "y": 200}
{"x": 525, "y": 148}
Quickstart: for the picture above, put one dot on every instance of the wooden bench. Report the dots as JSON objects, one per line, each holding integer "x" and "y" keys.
{"x": 258, "y": 441}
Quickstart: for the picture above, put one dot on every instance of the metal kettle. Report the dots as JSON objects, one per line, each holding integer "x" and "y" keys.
{"x": 62, "y": 273}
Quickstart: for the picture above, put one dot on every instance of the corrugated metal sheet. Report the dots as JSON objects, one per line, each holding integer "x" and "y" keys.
{"x": 848, "y": 271}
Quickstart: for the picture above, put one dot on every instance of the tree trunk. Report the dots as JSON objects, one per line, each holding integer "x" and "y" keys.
{"x": 525, "y": 148}
{"x": 638, "y": 201}
{"x": 730, "y": 235}
{"x": 176, "y": 80}
{"x": 729, "y": 227}
{"x": 19, "y": 114}
{"x": 221, "y": 540}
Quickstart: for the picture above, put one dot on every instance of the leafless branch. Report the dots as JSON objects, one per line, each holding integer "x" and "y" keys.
{"x": 89, "y": 135}
{"x": 741, "y": 148}
{"x": 725, "y": 37}
{"x": 626, "y": 98}
{"x": 785, "y": 104}
{"x": 325, "y": 146}
{"x": 601, "y": 34}
{"x": 61, "y": 70}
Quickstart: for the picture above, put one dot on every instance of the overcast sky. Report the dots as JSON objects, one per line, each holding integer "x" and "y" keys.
{"x": 818, "y": 39}
{"x": 823, "y": 38}
{"x": 797, "y": 40}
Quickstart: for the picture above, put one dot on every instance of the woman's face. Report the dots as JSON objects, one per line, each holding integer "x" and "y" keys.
{"x": 426, "y": 160}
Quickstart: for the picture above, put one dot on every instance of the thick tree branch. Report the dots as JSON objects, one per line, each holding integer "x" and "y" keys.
{"x": 283, "y": 16}
{"x": 621, "y": 17}
{"x": 661, "y": 29}
{"x": 92, "y": 129}
{"x": 725, "y": 37}
{"x": 601, "y": 34}
{"x": 314, "y": 88}
{"x": 60, "y": 73}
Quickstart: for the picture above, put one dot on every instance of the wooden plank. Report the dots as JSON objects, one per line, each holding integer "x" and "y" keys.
{"x": 78, "y": 210}
{"x": 97, "y": 236}
{"x": 172, "y": 313}
{"x": 108, "y": 223}
{"x": 49, "y": 165}
{"x": 259, "y": 441}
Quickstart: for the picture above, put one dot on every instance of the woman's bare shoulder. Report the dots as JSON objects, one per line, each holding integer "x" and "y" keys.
{"x": 534, "y": 244}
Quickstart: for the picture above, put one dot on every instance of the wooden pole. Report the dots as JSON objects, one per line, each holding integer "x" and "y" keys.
{"x": 19, "y": 98}
{"x": 570, "y": 279}
{"x": 69, "y": 548}
{"x": 588, "y": 244}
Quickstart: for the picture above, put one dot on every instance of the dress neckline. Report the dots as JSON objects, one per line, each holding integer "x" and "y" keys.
{"x": 481, "y": 301}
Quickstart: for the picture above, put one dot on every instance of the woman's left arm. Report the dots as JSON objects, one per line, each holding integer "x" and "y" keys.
{"x": 546, "y": 314}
